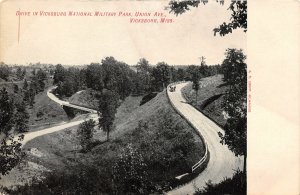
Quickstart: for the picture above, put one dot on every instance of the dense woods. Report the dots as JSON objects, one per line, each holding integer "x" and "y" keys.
{"x": 126, "y": 80}
{"x": 16, "y": 97}
{"x": 13, "y": 119}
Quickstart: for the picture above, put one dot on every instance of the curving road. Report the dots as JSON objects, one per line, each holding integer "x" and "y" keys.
{"x": 31, "y": 135}
{"x": 222, "y": 162}
{"x": 64, "y": 103}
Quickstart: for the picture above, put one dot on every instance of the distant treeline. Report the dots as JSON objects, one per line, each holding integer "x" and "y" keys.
{"x": 118, "y": 76}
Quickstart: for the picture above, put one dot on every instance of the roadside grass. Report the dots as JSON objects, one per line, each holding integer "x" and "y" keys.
{"x": 210, "y": 97}
{"x": 168, "y": 144}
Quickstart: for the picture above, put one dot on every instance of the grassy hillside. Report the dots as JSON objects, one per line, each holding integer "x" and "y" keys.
{"x": 85, "y": 98}
{"x": 167, "y": 145}
{"x": 210, "y": 97}
{"x": 44, "y": 112}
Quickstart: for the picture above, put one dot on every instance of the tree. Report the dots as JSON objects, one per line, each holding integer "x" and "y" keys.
{"x": 129, "y": 172}
{"x": 108, "y": 103}
{"x": 173, "y": 74}
{"x": 59, "y": 74}
{"x": 37, "y": 81}
{"x": 117, "y": 76}
{"x": 73, "y": 80}
{"x": 234, "y": 67}
{"x": 196, "y": 85}
{"x": 10, "y": 153}
{"x": 25, "y": 85}
{"x": 235, "y": 104}
{"x": 31, "y": 95}
{"x": 109, "y": 65}
{"x": 202, "y": 61}
{"x": 20, "y": 73}
{"x": 180, "y": 74}
{"x": 85, "y": 133}
{"x": 6, "y": 112}
{"x": 4, "y": 71}
{"x": 23, "y": 73}
{"x": 194, "y": 75}
{"x": 143, "y": 82}
{"x": 41, "y": 76}
{"x": 238, "y": 16}
{"x": 33, "y": 71}
{"x": 161, "y": 74}
{"x": 10, "y": 148}
{"x": 16, "y": 88}
{"x": 21, "y": 118}
{"x": 94, "y": 76}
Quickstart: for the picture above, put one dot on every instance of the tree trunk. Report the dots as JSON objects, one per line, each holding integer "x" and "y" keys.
{"x": 107, "y": 134}
{"x": 245, "y": 164}
{"x": 244, "y": 176}
{"x": 196, "y": 97}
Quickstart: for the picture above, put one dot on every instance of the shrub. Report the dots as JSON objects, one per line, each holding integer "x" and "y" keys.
{"x": 235, "y": 185}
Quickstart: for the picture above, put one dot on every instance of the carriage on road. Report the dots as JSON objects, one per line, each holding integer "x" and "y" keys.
{"x": 172, "y": 88}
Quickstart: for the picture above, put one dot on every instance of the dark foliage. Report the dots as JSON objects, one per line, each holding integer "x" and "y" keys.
{"x": 21, "y": 118}
{"x": 4, "y": 71}
{"x": 148, "y": 97}
{"x": 142, "y": 81}
{"x": 108, "y": 104}
{"x": 235, "y": 74}
{"x": 85, "y": 133}
{"x": 6, "y": 112}
{"x": 130, "y": 173}
{"x": 232, "y": 186}
{"x": 235, "y": 104}
{"x": 161, "y": 76}
{"x": 87, "y": 180}
{"x": 209, "y": 101}
{"x": 10, "y": 148}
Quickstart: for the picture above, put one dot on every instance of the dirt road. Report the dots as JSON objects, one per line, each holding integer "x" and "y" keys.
{"x": 32, "y": 169}
{"x": 31, "y": 135}
{"x": 222, "y": 163}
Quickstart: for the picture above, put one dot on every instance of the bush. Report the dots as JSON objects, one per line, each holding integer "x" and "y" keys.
{"x": 81, "y": 180}
{"x": 236, "y": 185}
{"x": 85, "y": 133}
{"x": 39, "y": 114}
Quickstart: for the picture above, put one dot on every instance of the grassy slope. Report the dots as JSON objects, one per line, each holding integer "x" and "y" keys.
{"x": 53, "y": 114}
{"x": 60, "y": 150}
{"x": 84, "y": 98}
{"x": 212, "y": 86}
{"x": 50, "y": 112}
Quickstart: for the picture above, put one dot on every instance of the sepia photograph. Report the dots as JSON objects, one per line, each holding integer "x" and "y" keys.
{"x": 124, "y": 97}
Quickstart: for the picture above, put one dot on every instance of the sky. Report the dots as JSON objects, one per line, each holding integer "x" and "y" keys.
{"x": 81, "y": 40}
